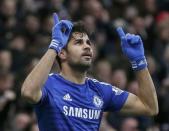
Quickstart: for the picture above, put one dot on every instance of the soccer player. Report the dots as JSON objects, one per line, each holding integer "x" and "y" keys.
{"x": 70, "y": 101}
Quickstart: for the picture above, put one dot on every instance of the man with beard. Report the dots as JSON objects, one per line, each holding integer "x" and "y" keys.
{"x": 70, "y": 101}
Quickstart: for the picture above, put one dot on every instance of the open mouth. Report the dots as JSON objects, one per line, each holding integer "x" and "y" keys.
{"x": 87, "y": 54}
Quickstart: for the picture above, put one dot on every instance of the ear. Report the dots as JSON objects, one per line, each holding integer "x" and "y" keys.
{"x": 63, "y": 54}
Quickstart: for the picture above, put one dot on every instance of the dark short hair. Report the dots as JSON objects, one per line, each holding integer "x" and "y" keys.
{"x": 80, "y": 27}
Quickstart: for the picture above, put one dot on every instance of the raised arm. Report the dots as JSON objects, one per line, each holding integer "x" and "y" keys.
{"x": 145, "y": 103}
{"x": 31, "y": 88}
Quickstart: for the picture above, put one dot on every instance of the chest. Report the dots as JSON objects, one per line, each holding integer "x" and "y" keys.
{"x": 84, "y": 103}
{"x": 84, "y": 97}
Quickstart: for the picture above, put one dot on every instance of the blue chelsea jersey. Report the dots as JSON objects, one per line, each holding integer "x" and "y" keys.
{"x": 66, "y": 106}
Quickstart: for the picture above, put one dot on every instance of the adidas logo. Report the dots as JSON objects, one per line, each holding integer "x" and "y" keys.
{"x": 67, "y": 97}
{"x": 142, "y": 62}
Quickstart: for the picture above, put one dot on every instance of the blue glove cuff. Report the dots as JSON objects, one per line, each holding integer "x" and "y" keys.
{"x": 55, "y": 45}
{"x": 139, "y": 64}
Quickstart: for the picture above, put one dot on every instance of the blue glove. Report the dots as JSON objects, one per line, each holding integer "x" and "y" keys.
{"x": 60, "y": 33}
{"x": 132, "y": 47}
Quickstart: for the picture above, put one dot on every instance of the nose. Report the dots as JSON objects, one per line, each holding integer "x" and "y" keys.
{"x": 86, "y": 46}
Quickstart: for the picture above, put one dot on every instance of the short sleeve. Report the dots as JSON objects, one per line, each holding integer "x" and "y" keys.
{"x": 114, "y": 98}
{"x": 44, "y": 97}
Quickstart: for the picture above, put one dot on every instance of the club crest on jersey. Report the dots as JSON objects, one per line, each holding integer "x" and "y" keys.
{"x": 97, "y": 101}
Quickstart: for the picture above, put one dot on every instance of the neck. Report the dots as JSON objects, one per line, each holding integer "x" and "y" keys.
{"x": 73, "y": 75}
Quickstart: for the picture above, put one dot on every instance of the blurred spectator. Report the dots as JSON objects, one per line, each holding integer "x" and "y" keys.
{"x": 166, "y": 59}
{"x": 103, "y": 70}
{"x": 21, "y": 122}
{"x": 131, "y": 12}
{"x": 163, "y": 37}
{"x": 130, "y": 124}
{"x": 73, "y": 7}
{"x": 105, "y": 125}
{"x": 5, "y": 60}
{"x": 119, "y": 78}
{"x": 139, "y": 26}
{"x": 7, "y": 96}
{"x": 154, "y": 71}
{"x": 90, "y": 22}
{"x": 34, "y": 127}
{"x": 150, "y": 6}
{"x": 153, "y": 128}
{"x": 133, "y": 87}
{"x": 31, "y": 26}
{"x": 17, "y": 46}
{"x": 8, "y": 8}
{"x": 32, "y": 5}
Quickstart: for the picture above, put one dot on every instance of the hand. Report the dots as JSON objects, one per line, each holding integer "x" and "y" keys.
{"x": 132, "y": 47}
{"x": 60, "y": 33}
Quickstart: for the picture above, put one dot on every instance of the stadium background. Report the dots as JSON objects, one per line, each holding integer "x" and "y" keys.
{"x": 25, "y": 33}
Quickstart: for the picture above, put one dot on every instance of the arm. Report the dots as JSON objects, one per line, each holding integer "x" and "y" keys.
{"x": 146, "y": 101}
{"x": 31, "y": 88}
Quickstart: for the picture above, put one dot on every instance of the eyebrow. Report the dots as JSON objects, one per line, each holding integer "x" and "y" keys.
{"x": 78, "y": 39}
{"x": 88, "y": 40}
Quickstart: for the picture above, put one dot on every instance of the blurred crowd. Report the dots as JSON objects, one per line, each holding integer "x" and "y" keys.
{"x": 25, "y": 33}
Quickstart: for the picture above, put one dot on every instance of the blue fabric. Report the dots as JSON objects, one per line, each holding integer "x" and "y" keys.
{"x": 132, "y": 47}
{"x": 60, "y": 33}
{"x": 66, "y": 106}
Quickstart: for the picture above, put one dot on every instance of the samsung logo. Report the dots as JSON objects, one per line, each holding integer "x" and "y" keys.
{"x": 81, "y": 112}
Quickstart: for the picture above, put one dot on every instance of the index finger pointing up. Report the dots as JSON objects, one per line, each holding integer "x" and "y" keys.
{"x": 120, "y": 32}
{"x": 55, "y": 18}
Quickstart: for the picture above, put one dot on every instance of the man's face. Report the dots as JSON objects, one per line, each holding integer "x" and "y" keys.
{"x": 79, "y": 51}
